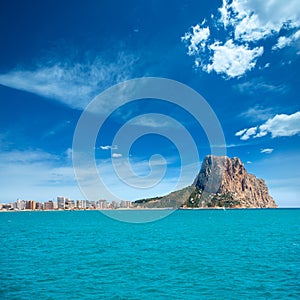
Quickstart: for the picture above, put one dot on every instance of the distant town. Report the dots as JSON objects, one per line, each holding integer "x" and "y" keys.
{"x": 63, "y": 203}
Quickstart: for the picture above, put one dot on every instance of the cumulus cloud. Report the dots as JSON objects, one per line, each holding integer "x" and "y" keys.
{"x": 72, "y": 83}
{"x": 244, "y": 25}
{"x": 282, "y": 125}
{"x": 197, "y": 38}
{"x": 278, "y": 126}
{"x": 231, "y": 59}
{"x": 267, "y": 150}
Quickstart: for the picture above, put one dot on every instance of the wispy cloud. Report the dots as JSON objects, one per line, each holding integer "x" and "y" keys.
{"x": 258, "y": 113}
{"x": 72, "y": 83}
{"x": 155, "y": 121}
{"x": 260, "y": 85}
{"x": 116, "y": 155}
{"x": 108, "y": 147}
{"x": 5, "y": 140}
{"x": 245, "y": 25}
{"x": 68, "y": 153}
{"x": 278, "y": 126}
{"x": 267, "y": 150}
{"x": 28, "y": 156}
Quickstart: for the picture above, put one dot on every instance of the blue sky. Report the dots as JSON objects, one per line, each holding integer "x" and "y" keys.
{"x": 56, "y": 56}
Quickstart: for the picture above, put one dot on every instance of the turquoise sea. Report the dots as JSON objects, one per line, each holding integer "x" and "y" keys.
{"x": 203, "y": 254}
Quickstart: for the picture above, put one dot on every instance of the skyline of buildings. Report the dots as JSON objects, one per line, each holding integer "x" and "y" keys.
{"x": 64, "y": 203}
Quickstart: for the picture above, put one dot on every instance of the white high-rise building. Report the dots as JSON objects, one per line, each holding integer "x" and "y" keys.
{"x": 61, "y": 202}
{"x": 102, "y": 204}
{"x": 21, "y": 204}
{"x": 81, "y": 204}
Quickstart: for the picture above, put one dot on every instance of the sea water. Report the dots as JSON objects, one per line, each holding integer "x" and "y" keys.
{"x": 193, "y": 254}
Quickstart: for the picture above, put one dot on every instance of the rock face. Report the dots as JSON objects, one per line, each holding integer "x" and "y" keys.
{"x": 221, "y": 182}
{"x": 225, "y": 182}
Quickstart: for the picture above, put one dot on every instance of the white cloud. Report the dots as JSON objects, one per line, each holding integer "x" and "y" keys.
{"x": 255, "y": 20}
{"x": 245, "y": 22}
{"x": 107, "y": 147}
{"x": 278, "y": 126}
{"x": 232, "y": 60}
{"x": 245, "y": 25}
{"x": 74, "y": 84}
{"x": 261, "y": 134}
{"x": 284, "y": 41}
{"x": 267, "y": 150}
{"x": 116, "y": 155}
{"x": 250, "y": 29}
{"x": 274, "y": 12}
{"x": 197, "y": 39}
{"x": 247, "y": 133}
{"x": 224, "y": 18}
{"x": 282, "y": 125}
{"x": 241, "y": 132}
{"x": 251, "y": 131}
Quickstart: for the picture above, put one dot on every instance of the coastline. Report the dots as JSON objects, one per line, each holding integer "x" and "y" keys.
{"x": 149, "y": 209}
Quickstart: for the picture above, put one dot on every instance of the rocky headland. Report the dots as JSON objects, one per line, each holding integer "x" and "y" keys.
{"x": 221, "y": 182}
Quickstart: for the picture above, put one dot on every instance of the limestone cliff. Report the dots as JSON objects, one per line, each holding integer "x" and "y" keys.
{"x": 225, "y": 182}
{"x": 221, "y": 182}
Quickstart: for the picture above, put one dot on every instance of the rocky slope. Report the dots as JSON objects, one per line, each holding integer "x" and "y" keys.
{"x": 173, "y": 200}
{"x": 225, "y": 182}
{"x": 221, "y": 182}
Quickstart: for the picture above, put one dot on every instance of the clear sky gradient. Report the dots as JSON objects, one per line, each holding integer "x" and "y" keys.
{"x": 56, "y": 56}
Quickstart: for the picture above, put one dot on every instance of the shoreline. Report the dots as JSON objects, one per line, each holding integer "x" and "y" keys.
{"x": 148, "y": 209}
